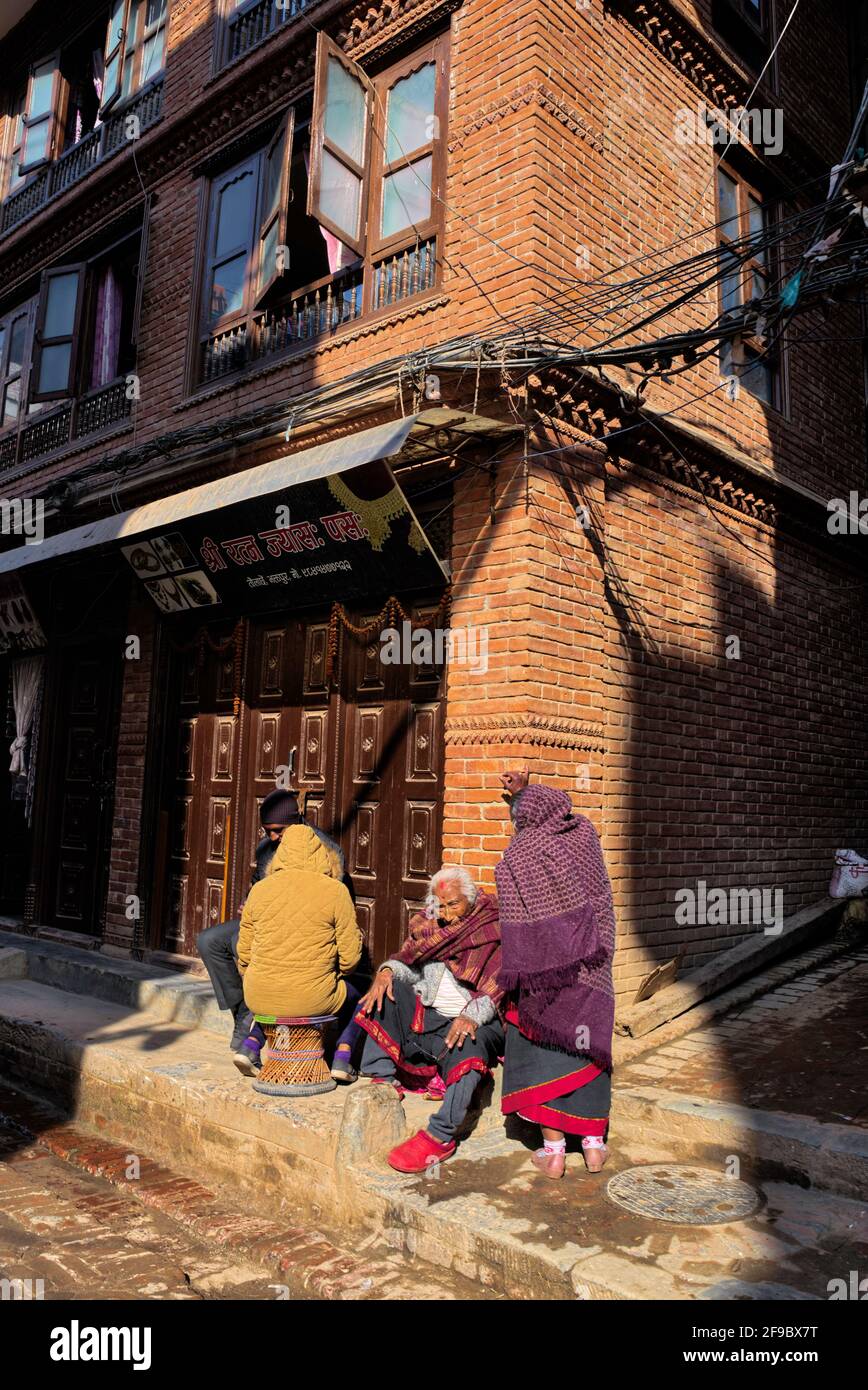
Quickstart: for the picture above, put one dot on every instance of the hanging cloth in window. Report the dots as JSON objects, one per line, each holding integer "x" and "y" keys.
{"x": 26, "y": 680}
{"x": 98, "y": 61}
{"x": 337, "y": 253}
{"x": 107, "y": 329}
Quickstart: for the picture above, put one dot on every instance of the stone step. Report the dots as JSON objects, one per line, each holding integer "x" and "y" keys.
{"x": 811, "y": 1152}
{"x": 168, "y": 994}
{"x": 169, "y": 1091}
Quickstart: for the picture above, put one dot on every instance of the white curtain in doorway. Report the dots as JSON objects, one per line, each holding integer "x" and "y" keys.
{"x": 26, "y": 679}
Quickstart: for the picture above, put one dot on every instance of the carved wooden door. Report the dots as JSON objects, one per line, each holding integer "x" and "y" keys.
{"x": 202, "y": 871}
{"x": 287, "y": 724}
{"x": 391, "y": 787}
{"x": 366, "y": 747}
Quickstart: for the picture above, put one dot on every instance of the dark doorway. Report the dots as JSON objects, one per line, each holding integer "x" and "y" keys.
{"x": 78, "y": 814}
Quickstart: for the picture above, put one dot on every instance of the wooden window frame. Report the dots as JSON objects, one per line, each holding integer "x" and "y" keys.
{"x": 40, "y": 342}
{"x": 133, "y": 51}
{"x": 326, "y": 51}
{"x": 748, "y": 341}
{"x": 12, "y": 147}
{"x": 251, "y": 165}
{"x": 25, "y": 311}
{"x": 285, "y": 133}
{"x": 82, "y": 337}
{"x": 373, "y": 247}
{"x": 760, "y": 21}
{"x": 118, "y": 50}
{"x": 53, "y": 114}
{"x": 378, "y": 245}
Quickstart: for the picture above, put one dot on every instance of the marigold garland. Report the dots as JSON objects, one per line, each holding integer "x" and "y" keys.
{"x": 389, "y": 615}
{"x": 235, "y": 640}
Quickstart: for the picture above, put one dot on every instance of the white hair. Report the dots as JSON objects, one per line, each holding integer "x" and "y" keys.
{"x": 449, "y": 873}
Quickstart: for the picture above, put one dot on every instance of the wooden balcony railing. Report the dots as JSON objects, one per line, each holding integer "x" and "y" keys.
{"x": 252, "y": 23}
{"x": 76, "y": 162}
{"x": 51, "y": 429}
{"x": 319, "y": 309}
{"x": 404, "y": 274}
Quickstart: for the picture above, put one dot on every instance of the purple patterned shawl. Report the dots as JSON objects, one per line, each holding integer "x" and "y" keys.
{"x": 558, "y": 926}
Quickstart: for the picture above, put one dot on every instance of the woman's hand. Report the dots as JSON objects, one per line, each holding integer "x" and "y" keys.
{"x": 461, "y": 1028}
{"x": 514, "y": 782}
{"x": 381, "y": 987}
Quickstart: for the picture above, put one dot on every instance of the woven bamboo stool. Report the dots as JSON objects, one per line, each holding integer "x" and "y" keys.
{"x": 294, "y": 1064}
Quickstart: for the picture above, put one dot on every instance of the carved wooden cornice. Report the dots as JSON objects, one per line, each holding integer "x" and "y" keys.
{"x": 713, "y": 75}
{"x": 532, "y": 93}
{"x": 586, "y": 410}
{"x": 740, "y": 493}
{"x": 382, "y": 27}
{"x": 536, "y": 730}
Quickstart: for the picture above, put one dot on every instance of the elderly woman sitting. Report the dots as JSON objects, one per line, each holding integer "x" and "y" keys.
{"x": 435, "y": 1009}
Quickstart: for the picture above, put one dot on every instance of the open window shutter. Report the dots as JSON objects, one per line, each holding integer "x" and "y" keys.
{"x": 272, "y": 261}
{"x": 340, "y": 145}
{"x": 58, "y": 330}
{"x": 140, "y": 273}
{"x": 41, "y": 114}
{"x": 114, "y": 53}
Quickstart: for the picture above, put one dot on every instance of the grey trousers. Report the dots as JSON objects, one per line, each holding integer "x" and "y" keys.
{"x": 426, "y": 1047}
{"x": 218, "y": 947}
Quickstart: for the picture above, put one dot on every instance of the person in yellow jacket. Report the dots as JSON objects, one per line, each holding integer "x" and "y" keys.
{"x": 299, "y": 935}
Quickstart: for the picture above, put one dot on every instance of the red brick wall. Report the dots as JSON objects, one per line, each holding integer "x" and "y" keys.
{"x": 561, "y": 137}
{"x": 124, "y": 876}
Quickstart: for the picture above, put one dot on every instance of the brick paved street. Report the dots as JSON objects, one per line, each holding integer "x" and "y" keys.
{"x": 85, "y": 1240}
{"x": 800, "y": 1048}
{"x": 71, "y": 1217}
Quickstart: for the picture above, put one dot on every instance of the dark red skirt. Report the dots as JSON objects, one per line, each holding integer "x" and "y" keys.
{"x": 560, "y": 1090}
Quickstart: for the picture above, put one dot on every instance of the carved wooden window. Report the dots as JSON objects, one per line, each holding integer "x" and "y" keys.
{"x": 339, "y": 215}
{"x": 78, "y": 335}
{"x": 743, "y": 216}
{"x": 378, "y": 151}
{"x": 12, "y": 177}
{"x": 135, "y": 47}
{"x": 15, "y": 348}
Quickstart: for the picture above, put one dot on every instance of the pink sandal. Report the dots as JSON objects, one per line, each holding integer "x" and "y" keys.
{"x": 551, "y": 1165}
{"x": 591, "y": 1144}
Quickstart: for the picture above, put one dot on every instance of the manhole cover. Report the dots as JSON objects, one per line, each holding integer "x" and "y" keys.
{"x": 678, "y": 1192}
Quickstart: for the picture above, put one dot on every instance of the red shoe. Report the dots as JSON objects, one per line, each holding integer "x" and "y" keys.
{"x": 419, "y": 1153}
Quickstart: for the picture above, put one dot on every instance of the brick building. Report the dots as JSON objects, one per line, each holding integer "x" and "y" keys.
{"x": 234, "y": 244}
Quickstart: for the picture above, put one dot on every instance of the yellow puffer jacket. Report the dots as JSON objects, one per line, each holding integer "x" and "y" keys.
{"x": 299, "y": 932}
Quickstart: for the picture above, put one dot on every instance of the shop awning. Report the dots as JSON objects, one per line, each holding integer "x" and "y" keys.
{"x": 265, "y": 480}
{"x": 328, "y": 523}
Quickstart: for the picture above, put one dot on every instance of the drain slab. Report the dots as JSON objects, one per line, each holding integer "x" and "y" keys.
{"x": 682, "y": 1193}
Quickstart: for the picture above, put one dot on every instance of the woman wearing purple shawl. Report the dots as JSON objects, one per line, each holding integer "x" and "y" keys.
{"x": 558, "y": 937}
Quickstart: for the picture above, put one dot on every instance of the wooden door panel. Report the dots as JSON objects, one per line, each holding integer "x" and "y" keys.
{"x": 420, "y": 839}
{"x": 423, "y": 744}
{"x": 202, "y": 795}
{"x": 314, "y": 749}
{"x": 78, "y": 839}
{"x": 315, "y": 660}
{"x": 368, "y": 753}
